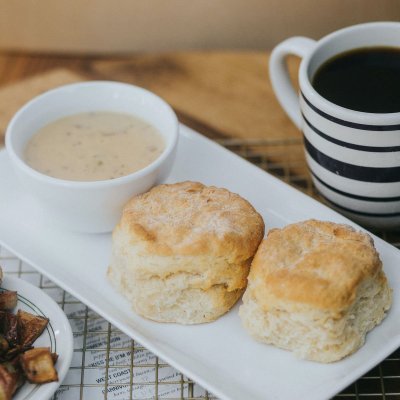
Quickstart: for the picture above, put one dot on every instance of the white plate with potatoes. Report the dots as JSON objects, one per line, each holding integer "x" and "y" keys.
{"x": 219, "y": 355}
{"x": 56, "y": 336}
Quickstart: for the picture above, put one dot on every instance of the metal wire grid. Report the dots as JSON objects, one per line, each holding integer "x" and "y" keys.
{"x": 109, "y": 365}
{"x": 106, "y": 363}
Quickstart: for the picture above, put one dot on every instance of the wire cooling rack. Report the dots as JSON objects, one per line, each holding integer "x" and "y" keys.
{"x": 107, "y": 364}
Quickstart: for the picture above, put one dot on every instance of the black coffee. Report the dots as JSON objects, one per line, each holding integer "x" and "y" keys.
{"x": 365, "y": 79}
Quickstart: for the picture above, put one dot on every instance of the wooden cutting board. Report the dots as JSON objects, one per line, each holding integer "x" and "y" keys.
{"x": 220, "y": 94}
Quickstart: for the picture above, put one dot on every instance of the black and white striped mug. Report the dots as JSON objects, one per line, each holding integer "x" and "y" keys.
{"x": 353, "y": 156}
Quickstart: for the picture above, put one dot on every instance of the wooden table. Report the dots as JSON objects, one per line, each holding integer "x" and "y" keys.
{"x": 220, "y": 94}
{"x": 224, "y": 95}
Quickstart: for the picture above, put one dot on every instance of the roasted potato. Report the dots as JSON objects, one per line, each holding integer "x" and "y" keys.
{"x": 30, "y": 327}
{"x": 4, "y": 346}
{"x": 38, "y": 365}
{"x": 8, "y": 382}
{"x": 10, "y": 327}
{"x": 8, "y": 300}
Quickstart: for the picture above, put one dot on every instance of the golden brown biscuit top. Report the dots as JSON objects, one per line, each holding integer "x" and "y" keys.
{"x": 189, "y": 218}
{"x": 313, "y": 263}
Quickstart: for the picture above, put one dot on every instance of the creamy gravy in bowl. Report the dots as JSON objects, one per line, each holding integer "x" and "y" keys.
{"x": 94, "y": 146}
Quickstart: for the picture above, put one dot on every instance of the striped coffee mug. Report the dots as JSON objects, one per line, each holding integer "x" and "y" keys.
{"x": 353, "y": 157}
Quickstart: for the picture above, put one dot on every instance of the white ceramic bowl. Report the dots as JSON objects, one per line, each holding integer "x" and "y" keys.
{"x": 90, "y": 206}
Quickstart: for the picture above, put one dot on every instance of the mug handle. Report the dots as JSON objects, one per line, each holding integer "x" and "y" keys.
{"x": 280, "y": 80}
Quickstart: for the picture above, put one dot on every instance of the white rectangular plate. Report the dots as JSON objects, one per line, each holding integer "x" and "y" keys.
{"x": 220, "y": 355}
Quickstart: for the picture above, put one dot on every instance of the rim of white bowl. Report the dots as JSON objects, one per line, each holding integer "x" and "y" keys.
{"x": 105, "y": 182}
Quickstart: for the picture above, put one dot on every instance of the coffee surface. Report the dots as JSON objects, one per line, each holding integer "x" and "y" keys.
{"x": 364, "y": 79}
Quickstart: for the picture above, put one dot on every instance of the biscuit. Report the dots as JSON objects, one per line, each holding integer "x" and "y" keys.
{"x": 182, "y": 252}
{"x": 315, "y": 288}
